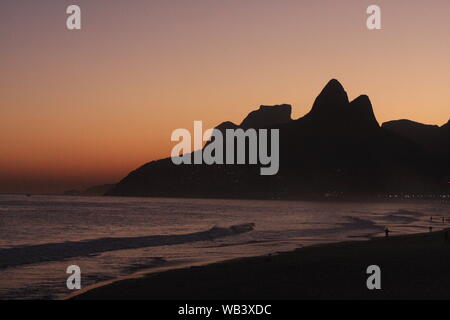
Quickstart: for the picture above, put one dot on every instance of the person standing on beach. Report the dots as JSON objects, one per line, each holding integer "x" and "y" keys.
{"x": 386, "y": 231}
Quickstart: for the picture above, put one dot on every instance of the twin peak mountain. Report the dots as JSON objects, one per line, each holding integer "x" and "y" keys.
{"x": 331, "y": 108}
{"x": 337, "y": 148}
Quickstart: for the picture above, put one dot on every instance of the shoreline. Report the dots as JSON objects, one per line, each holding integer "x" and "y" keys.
{"x": 415, "y": 266}
{"x": 442, "y": 198}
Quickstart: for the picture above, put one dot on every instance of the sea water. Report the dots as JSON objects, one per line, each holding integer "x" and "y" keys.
{"x": 110, "y": 238}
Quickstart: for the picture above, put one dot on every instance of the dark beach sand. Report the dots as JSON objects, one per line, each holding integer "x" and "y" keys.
{"x": 412, "y": 266}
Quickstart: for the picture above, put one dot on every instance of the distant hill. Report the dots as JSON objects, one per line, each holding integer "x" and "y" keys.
{"x": 92, "y": 191}
{"x": 430, "y": 137}
{"x": 337, "y": 148}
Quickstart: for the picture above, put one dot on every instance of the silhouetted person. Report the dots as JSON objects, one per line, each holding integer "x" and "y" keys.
{"x": 431, "y": 218}
{"x": 431, "y": 228}
{"x": 386, "y": 231}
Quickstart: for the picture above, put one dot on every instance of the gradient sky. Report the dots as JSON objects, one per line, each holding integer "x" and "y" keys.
{"x": 79, "y": 108}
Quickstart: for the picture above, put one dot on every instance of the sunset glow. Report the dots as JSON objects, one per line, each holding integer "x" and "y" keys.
{"x": 80, "y": 108}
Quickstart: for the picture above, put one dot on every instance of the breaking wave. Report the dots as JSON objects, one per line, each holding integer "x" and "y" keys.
{"x": 16, "y": 256}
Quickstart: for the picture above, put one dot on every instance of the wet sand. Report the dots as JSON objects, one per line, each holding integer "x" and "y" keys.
{"x": 412, "y": 267}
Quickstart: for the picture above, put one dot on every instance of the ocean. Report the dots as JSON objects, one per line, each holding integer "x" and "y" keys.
{"x": 110, "y": 238}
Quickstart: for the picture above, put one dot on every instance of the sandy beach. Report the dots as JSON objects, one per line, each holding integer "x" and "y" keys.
{"x": 412, "y": 267}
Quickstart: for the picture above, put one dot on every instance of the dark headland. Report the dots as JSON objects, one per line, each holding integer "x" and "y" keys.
{"x": 338, "y": 148}
{"x": 412, "y": 267}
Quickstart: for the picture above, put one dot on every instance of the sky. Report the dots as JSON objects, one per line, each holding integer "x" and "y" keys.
{"x": 85, "y": 107}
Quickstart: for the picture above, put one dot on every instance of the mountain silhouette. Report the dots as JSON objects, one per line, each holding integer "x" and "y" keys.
{"x": 99, "y": 190}
{"x": 331, "y": 100}
{"x": 333, "y": 109}
{"x": 267, "y": 116}
{"x": 337, "y": 148}
{"x": 430, "y": 137}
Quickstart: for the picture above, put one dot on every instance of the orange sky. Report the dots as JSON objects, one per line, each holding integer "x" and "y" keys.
{"x": 79, "y": 108}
